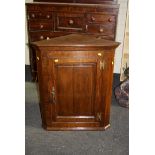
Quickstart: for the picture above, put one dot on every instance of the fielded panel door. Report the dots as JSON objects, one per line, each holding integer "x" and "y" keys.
{"x": 75, "y": 89}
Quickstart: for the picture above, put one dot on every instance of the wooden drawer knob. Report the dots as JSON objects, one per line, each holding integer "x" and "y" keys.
{"x": 47, "y": 16}
{"x": 41, "y": 26}
{"x": 101, "y": 30}
{"x": 33, "y": 15}
{"x": 41, "y": 37}
{"x": 110, "y": 19}
{"x": 93, "y": 18}
{"x": 71, "y": 22}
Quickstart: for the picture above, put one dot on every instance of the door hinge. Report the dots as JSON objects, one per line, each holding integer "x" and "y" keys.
{"x": 102, "y": 63}
{"x": 99, "y": 116}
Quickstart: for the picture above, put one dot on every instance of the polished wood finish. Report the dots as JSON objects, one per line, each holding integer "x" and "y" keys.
{"x": 49, "y": 20}
{"x": 80, "y": 1}
{"x": 73, "y": 18}
{"x": 75, "y": 80}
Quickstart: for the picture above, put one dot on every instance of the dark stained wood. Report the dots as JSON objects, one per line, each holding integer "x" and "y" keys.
{"x": 80, "y": 1}
{"x": 84, "y": 88}
{"x": 96, "y": 1}
{"x": 42, "y": 35}
{"x": 75, "y": 85}
{"x": 64, "y": 88}
{"x": 70, "y": 22}
{"x": 32, "y": 15}
{"x": 101, "y": 29}
{"x": 49, "y": 20}
{"x": 57, "y": 1}
{"x": 77, "y": 40}
{"x": 40, "y": 25}
{"x": 100, "y": 18}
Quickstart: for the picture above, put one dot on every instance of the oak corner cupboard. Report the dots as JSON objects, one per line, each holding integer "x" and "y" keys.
{"x": 75, "y": 75}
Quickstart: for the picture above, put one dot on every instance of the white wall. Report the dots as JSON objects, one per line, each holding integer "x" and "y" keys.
{"x": 27, "y": 62}
{"x": 119, "y": 35}
{"x": 26, "y": 47}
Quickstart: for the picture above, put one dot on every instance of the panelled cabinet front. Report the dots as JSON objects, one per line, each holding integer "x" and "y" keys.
{"x": 76, "y": 85}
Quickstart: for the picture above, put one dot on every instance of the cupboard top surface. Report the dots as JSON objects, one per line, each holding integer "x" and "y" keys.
{"x": 77, "y": 40}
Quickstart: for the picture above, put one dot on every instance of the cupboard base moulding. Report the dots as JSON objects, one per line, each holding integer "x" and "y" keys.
{"x": 76, "y": 128}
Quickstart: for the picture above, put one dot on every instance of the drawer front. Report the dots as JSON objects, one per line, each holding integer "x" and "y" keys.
{"x": 100, "y": 18}
{"x": 42, "y": 35}
{"x": 108, "y": 37}
{"x": 100, "y": 29}
{"x": 40, "y": 25}
{"x": 69, "y": 22}
{"x": 40, "y": 15}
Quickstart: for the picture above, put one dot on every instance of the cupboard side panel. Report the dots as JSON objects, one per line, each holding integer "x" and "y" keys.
{"x": 108, "y": 74}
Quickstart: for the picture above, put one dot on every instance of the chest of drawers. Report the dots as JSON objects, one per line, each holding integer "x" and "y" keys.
{"x": 75, "y": 80}
{"x": 49, "y": 20}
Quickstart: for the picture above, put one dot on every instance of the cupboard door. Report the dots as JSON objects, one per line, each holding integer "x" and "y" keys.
{"x": 75, "y": 89}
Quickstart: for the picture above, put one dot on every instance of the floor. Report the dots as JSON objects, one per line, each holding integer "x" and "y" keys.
{"x": 113, "y": 141}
